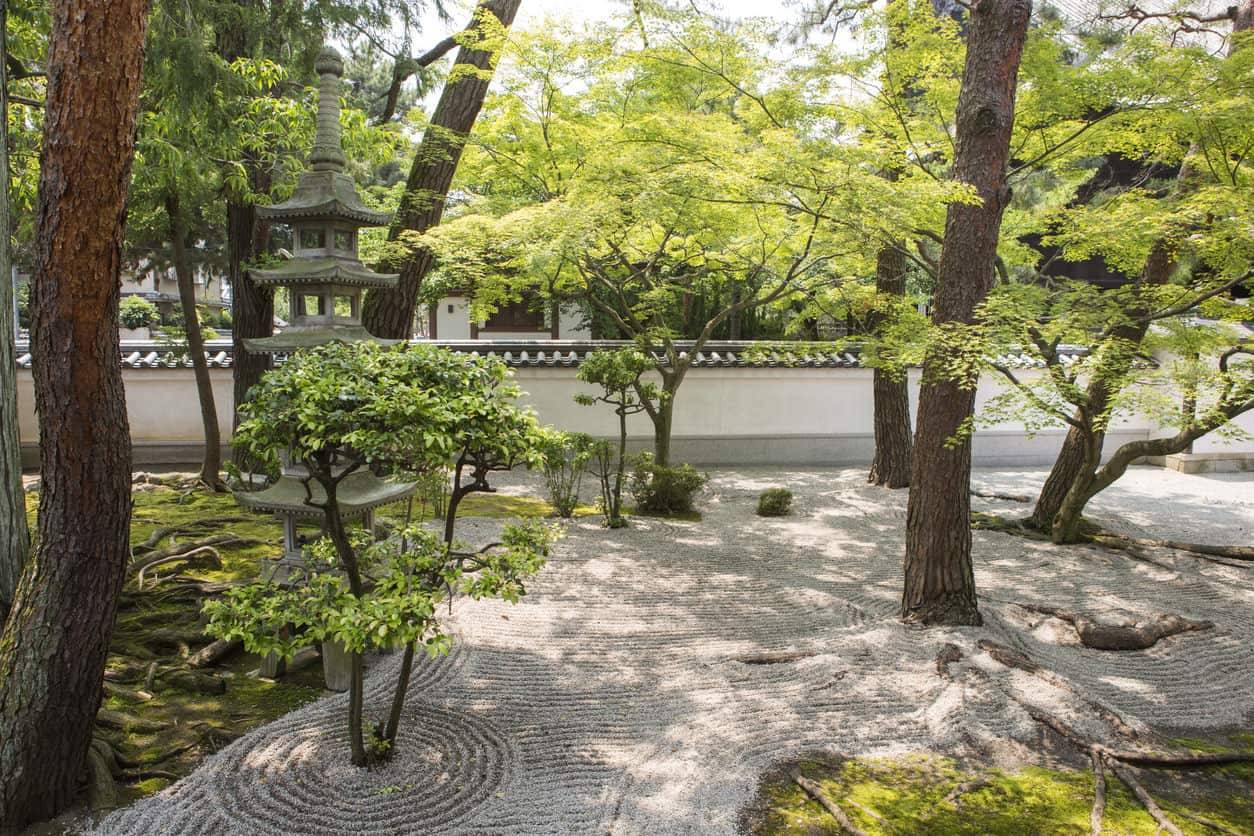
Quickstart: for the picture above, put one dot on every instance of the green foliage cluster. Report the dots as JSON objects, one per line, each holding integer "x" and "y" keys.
{"x": 661, "y": 489}
{"x": 608, "y": 464}
{"x": 409, "y": 576}
{"x": 619, "y": 375}
{"x": 411, "y": 409}
{"x": 566, "y": 458}
{"x": 775, "y": 502}
{"x": 137, "y": 312}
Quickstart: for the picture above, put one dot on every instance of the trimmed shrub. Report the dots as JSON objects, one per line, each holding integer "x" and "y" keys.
{"x": 434, "y": 489}
{"x": 566, "y": 456}
{"x": 665, "y": 490}
{"x": 775, "y": 502}
{"x": 137, "y": 312}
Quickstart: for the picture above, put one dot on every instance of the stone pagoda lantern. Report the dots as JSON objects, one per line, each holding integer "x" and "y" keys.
{"x": 325, "y": 281}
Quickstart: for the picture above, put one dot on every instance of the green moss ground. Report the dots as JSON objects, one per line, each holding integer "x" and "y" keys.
{"x": 907, "y": 794}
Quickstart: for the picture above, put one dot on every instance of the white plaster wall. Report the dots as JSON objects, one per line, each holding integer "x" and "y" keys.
{"x": 723, "y": 416}
{"x": 570, "y": 324}
{"x": 455, "y": 325}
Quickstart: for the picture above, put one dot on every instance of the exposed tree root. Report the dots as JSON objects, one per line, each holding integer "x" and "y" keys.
{"x": 1134, "y": 636}
{"x": 816, "y": 792}
{"x": 1117, "y": 761}
{"x": 1230, "y": 552}
{"x": 1144, "y": 797}
{"x": 151, "y": 542}
{"x": 1012, "y": 658}
{"x": 1099, "y": 794}
{"x": 774, "y": 657}
{"x": 211, "y": 653}
{"x": 1096, "y": 536}
{"x": 955, "y": 795}
{"x": 196, "y": 683}
{"x": 1009, "y": 497}
{"x": 102, "y": 791}
{"x": 128, "y": 722}
{"x": 133, "y": 695}
{"x": 947, "y": 654}
{"x": 139, "y": 564}
{"x": 1212, "y": 825}
{"x": 216, "y": 563}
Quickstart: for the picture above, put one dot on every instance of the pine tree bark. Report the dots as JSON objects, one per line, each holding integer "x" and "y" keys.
{"x": 14, "y": 536}
{"x": 390, "y": 313}
{"x": 211, "y": 465}
{"x": 54, "y": 645}
{"x": 939, "y": 582}
{"x": 252, "y": 307}
{"x": 890, "y": 466}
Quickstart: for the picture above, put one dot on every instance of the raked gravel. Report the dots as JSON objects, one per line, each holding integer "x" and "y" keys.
{"x": 611, "y": 698}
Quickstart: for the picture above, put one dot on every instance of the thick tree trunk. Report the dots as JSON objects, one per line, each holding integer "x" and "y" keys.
{"x": 252, "y": 307}
{"x": 14, "y": 537}
{"x": 1067, "y": 468}
{"x": 390, "y": 313}
{"x": 939, "y": 581}
{"x": 54, "y": 645}
{"x": 1070, "y": 465}
{"x": 212, "y": 464}
{"x": 891, "y": 465}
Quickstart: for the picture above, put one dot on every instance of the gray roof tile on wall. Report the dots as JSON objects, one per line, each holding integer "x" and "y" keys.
{"x": 562, "y": 354}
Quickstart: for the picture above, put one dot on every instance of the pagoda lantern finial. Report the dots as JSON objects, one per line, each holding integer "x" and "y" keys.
{"x": 325, "y": 278}
{"x": 328, "y": 153}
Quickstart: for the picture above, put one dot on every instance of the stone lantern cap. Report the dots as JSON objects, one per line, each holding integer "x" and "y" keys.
{"x": 358, "y": 494}
{"x": 322, "y": 271}
{"x": 325, "y": 192}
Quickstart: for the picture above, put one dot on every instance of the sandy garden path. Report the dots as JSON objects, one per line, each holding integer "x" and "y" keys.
{"x": 617, "y": 696}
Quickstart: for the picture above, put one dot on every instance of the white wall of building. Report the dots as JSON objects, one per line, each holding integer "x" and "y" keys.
{"x": 452, "y": 322}
{"x": 725, "y": 416}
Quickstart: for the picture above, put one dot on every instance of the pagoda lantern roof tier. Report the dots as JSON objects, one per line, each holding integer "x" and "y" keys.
{"x": 295, "y": 339}
{"x": 358, "y": 494}
{"x": 322, "y": 270}
{"x": 325, "y": 196}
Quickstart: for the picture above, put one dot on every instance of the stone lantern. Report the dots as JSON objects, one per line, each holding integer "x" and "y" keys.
{"x": 325, "y": 280}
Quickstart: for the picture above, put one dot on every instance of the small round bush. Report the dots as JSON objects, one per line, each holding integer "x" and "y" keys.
{"x": 775, "y": 502}
{"x": 665, "y": 490}
{"x": 137, "y": 312}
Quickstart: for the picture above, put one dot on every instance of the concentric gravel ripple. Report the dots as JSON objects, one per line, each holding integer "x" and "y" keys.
{"x": 622, "y": 694}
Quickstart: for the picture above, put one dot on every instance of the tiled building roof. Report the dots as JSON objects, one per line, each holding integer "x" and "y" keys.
{"x": 560, "y": 353}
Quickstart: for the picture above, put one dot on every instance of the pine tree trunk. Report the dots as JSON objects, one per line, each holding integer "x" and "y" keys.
{"x": 390, "y": 313}
{"x": 54, "y": 645}
{"x": 14, "y": 536}
{"x": 891, "y": 391}
{"x": 211, "y": 466}
{"x": 939, "y": 580}
{"x": 252, "y": 307}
